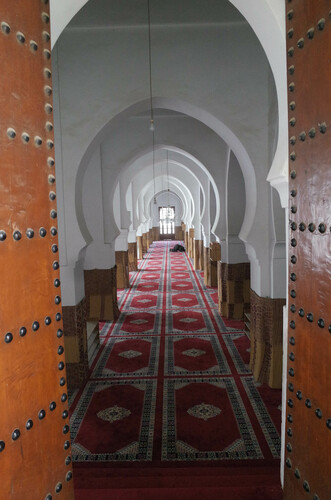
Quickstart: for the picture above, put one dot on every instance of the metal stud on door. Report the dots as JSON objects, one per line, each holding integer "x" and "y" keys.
{"x": 35, "y": 457}
{"x": 308, "y": 433}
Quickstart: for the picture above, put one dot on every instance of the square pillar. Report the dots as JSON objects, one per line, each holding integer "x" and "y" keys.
{"x": 179, "y": 233}
{"x": 233, "y": 289}
{"x": 266, "y": 330}
{"x": 215, "y": 256}
{"x": 139, "y": 247}
{"x": 201, "y": 252}
{"x": 122, "y": 263}
{"x": 144, "y": 243}
{"x": 132, "y": 256}
{"x": 101, "y": 294}
{"x": 75, "y": 343}
{"x": 206, "y": 269}
{"x": 197, "y": 256}
{"x": 156, "y": 233}
{"x": 190, "y": 243}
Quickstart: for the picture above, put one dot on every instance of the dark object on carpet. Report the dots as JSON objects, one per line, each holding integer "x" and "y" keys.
{"x": 178, "y": 248}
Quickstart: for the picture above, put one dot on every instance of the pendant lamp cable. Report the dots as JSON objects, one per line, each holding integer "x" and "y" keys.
{"x": 162, "y": 179}
{"x": 151, "y": 127}
{"x": 168, "y": 180}
{"x": 154, "y": 166}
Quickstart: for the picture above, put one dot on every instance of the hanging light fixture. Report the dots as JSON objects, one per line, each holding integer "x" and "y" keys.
{"x": 162, "y": 178}
{"x": 168, "y": 181}
{"x": 151, "y": 124}
{"x": 168, "y": 216}
{"x": 154, "y": 166}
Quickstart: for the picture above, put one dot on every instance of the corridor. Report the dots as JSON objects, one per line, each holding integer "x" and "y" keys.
{"x": 132, "y": 121}
{"x": 170, "y": 401}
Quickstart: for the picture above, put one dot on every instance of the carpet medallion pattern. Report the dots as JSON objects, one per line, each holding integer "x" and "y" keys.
{"x": 211, "y": 438}
{"x": 204, "y": 411}
{"x": 114, "y": 421}
{"x": 128, "y": 357}
{"x": 171, "y": 382}
{"x": 194, "y": 355}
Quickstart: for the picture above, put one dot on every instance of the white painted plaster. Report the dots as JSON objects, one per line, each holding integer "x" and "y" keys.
{"x": 230, "y": 93}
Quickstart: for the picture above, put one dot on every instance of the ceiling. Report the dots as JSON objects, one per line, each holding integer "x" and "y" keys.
{"x": 125, "y": 13}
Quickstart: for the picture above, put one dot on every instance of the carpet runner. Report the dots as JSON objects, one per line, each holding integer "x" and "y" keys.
{"x": 170, "y": 407}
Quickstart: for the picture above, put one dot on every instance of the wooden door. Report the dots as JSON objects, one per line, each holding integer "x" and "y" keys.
{"x": 35, "y": 459}
{"x": 308, "y": 425}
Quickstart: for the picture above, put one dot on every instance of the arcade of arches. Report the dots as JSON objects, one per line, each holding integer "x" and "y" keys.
{"x": 220, "y": 158}
{"x": 165, "y": 120}
{"x": 219, "y": 105}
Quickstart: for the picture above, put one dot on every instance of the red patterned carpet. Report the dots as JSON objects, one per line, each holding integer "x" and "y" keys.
{"x": 170, "y": 407}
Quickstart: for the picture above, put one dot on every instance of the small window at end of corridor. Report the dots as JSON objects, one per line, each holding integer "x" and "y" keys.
{"x": 167, "y": 220}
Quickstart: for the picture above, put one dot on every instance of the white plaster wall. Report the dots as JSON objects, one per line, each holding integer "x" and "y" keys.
{"x": 163, "y": 200}
{"x": 234, "y": 249}
{"x": 278, "y": 263}
{"x": 229, "y": 79}
{"x": 267, "y": 19}
{"x": 138, "y": 181}
{"x": 92, "y": 75}
{"x": 279, "y": 217}
{"x": 133, "y": 136}
{"x": 98, "y": 254}
{"x": 205, "y": 220}
{"x": 227, "y": 70}
{"x": 236, "y": 197}
{"x": 212, "y": 208}
{"x": 180, "y": 134}
{"x": 183, "y": 179}
{"x": 268, "y": 22}
{"x": 197, "y": 211}
{"x": 116, "y": 208}
{"x": 92, "y": 194}
{"x": 180, "y": 131}
{"x": 62, "y": 12}
{"x": 183, "y": 191}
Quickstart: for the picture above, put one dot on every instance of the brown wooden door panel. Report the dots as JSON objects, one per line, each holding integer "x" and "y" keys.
{"x": 308, "y": 433}
{"x": 34, "y": 434}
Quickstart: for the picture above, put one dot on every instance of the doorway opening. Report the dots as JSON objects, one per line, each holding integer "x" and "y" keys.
{"x": 167, "y": 222}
